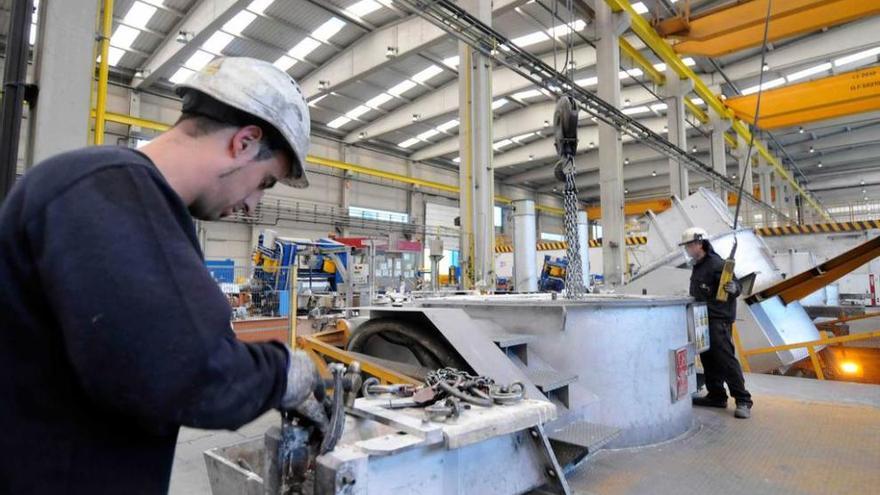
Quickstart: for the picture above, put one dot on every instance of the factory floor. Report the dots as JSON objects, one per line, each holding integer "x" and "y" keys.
{"x": 804, "y": 437}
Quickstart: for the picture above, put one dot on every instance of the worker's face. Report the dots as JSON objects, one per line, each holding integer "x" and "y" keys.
{"x": 694, "y": 250}
{"x": 238, "y": 181}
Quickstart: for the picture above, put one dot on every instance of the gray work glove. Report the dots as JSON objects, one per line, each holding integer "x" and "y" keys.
{"x": 303, "y": 381}
{"x": 731, "y": 287}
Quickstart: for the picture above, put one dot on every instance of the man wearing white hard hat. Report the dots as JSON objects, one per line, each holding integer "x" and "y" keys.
{"x": 720, "y": 365}
{"x": 112, "y": 332}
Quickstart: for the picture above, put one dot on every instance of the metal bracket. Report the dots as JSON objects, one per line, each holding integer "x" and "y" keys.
{"x": 556, "y": 482}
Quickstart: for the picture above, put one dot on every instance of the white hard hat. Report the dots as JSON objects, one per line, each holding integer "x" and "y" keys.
{"x": 259, "y": 89}
{"x": 693, "y": 234}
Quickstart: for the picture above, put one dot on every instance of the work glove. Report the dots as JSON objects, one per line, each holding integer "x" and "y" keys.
{"x": 303, "y": 381}
{"x": 731, "y": 287}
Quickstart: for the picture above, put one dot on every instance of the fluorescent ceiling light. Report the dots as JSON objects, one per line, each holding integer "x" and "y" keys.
{"x": 563, "y": 29}
{"x": 635, "y": 72}
{"x": 499, "y": 103}
{"x": 316, "y": 100}
{"x": 328, "y": 29}
{"x": 689, "y": 61}
{"x": 590, "y": 81}
{"x": 530, "y": 39}
{"x": 636, "y": 110}
{"x": 241, "y": 20}
{"x": 284, "y": 63}
{"x": 402, "y": 87}
{"x": 872, "y": 52}
{"x": 426, "y": 74}
{"x": 217, "y": 42}
{"x": 357, "y": 111}
{"x": 530, "y": 93}
{"x": 767, "y": 85}
{"x": 640, "y": 8}
{"x": 501, "y": 144}
{"x": 181, "y": 75}
{"x": 409, "y": 142}
{"x": 259, "y": 6}
{"x": 519, "y": 138}
{"x": 32, "y": 34}
{"x": 114, "y": 55}
{"x": 139, "y": 14}
{"x": 698, "y": 101}
{"x": 659, "y": 107}
{"x": 363, "y": 8}
{"x": 338, "y": 122}
{"x": 451, "y": 61}
{"x": 303, "y": 48}
{"x": 795, "y": 76}
{"x": 448, "y": 125}
{"x": 457, "y": 159}
{"x": 660, "y": 67}
{"x": 428, "y": 134}
{"x": 198, "y": 60}
{"x": 124, "y": 36}
{"x": 378, "y": 100}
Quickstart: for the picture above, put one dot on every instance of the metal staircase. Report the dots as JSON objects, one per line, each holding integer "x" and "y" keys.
{"x": 575, "y": 440}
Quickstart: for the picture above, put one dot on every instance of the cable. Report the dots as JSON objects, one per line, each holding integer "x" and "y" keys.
{"x": 747, "y": 169}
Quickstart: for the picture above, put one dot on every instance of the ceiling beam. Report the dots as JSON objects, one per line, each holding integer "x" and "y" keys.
{"x": 369, "y": 54}
{"x": 202, "y": 20}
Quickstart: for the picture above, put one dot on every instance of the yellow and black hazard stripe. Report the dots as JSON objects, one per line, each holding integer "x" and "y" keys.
{"x": 819, "y": 228}
{"x": 559, "y": 246}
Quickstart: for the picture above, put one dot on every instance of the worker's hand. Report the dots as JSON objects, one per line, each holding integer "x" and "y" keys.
{"x": 303, "y": 381}
{"x": 731, "y": 287}
{"x": 315, "y": 413}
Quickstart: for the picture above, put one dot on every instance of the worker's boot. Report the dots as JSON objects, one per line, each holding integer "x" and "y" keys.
{"x": 710, "y": 402}
{"x": 743, "y": 411}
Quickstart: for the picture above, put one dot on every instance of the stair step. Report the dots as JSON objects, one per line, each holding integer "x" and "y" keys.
{"x": 574, "y": 442}
{"x": 548, "y": 380}
{"x": 504, "y": 340}
{"x": 585, "y": 434}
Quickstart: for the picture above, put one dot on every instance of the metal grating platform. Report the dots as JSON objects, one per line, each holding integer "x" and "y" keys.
{"x": 584, "y": 434}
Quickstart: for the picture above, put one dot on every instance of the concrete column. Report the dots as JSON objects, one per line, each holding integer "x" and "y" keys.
{"x": 584, "y": 244}
{"x": 63, "y": 62}
{"x": 476, "y": 173}
{"x": 764, "y": 183}
{"x": 674, "y": 91}
{"x": 779, "y": 200}
{"x": 525, "y": 255}
{"x": 720, "y": 125}
{"x": 609, "y": 27}
{"x": 745, "y": 170}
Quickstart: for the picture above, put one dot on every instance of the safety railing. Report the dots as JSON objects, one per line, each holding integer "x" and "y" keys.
{"x": 810, "y": 346}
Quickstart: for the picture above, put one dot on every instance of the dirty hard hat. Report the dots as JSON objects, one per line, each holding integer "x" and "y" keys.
{"x": 693, "y": 234}
{"x": 259, "y": 89}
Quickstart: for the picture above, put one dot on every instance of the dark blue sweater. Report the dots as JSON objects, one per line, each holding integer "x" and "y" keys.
{"x": 112, "y": 332}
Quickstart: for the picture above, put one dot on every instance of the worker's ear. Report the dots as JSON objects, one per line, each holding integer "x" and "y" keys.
{"x": 246, "y": 143}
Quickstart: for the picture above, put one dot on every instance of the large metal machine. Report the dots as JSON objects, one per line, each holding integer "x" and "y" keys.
{"x": 314, "y": 269}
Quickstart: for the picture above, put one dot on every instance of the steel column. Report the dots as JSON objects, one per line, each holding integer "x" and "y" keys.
{"x": 476, "y": 174}
{"x": 103, "y": 71}
{"x": 14, "y": 78}
{"x": 609, "y": 27}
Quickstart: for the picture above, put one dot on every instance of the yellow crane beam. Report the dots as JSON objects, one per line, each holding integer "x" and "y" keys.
{"x": 642, "y": 28}
{"x": 738, "y": 26}
{"x": 835, "y": 96}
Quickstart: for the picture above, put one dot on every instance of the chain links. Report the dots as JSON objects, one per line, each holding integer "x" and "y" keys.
{"x": 574, "y": 280}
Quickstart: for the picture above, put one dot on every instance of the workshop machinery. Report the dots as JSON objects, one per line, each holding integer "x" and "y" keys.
{"x": 553, "y": 274}
{"x": 315, "y": 269}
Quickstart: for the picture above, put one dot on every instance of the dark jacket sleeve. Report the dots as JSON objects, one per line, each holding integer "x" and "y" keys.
{"x": 145, "y": 327}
